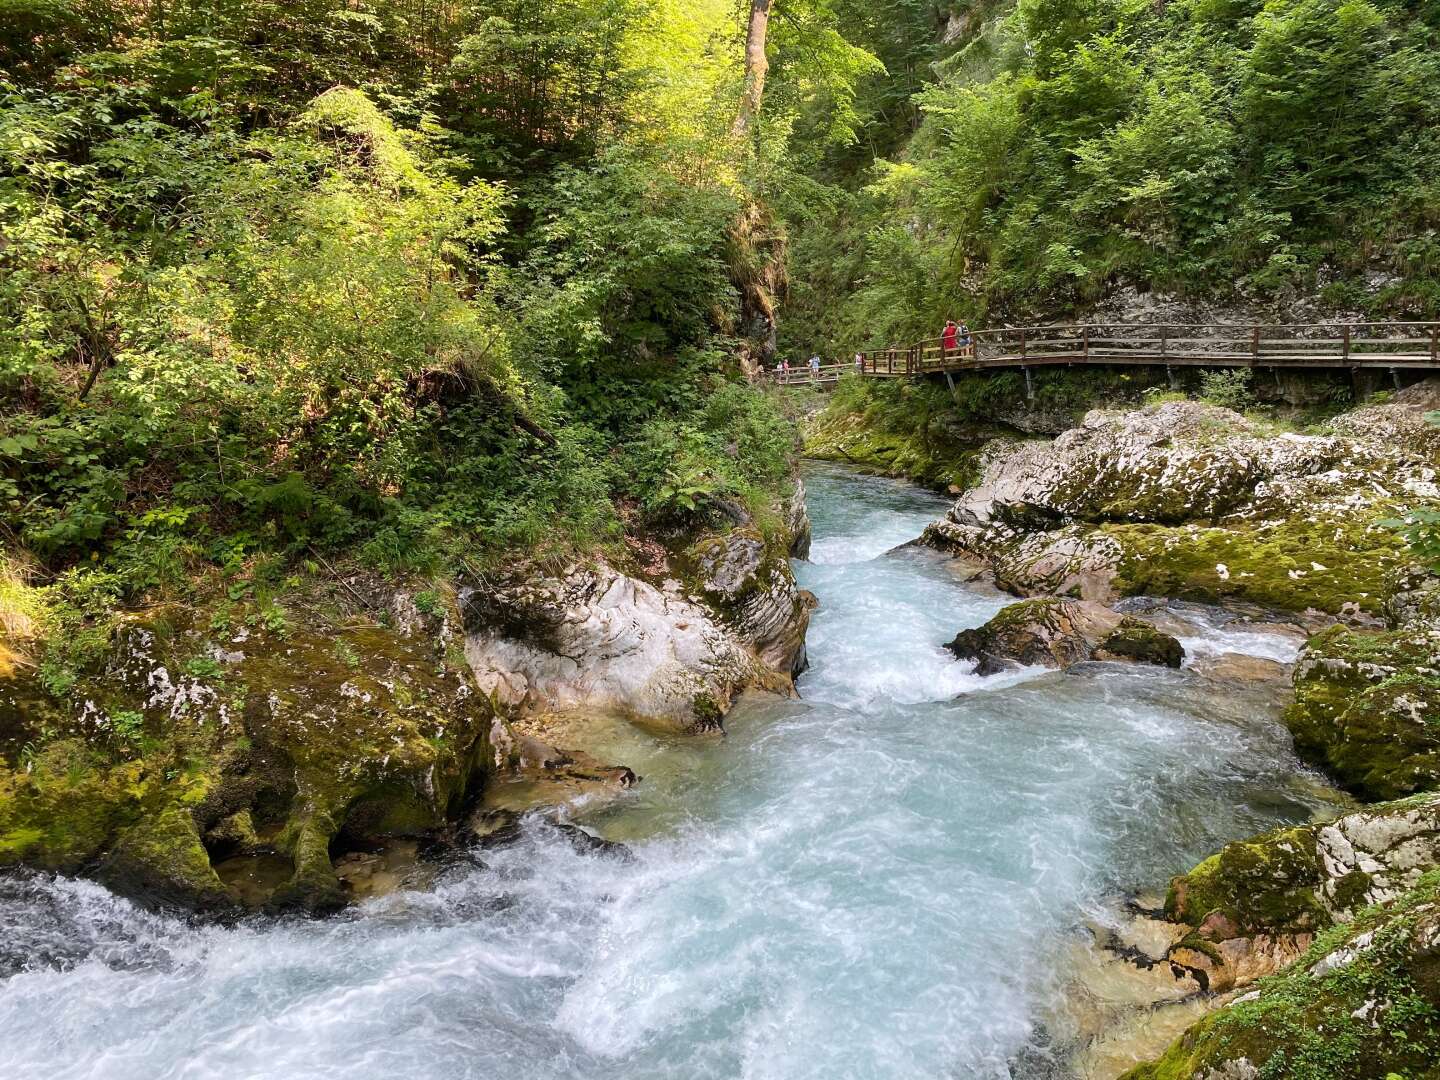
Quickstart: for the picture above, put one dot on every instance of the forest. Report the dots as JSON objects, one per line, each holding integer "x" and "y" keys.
{"x": 410, "y": 282}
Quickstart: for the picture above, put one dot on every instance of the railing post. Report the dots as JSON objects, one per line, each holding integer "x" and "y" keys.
{"x": 1345, "y": 344}
{"x": 1085, "y": 341}
{"x": 1254, "y": 345}
{"x": 1435, "y": 344}
{"x": 890, "y": 361}
{"x": 1023, "y": 350}
{"x": 1164, "y": 332}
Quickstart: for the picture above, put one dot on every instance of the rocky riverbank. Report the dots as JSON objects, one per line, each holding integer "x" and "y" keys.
{"x": 1331, "y": 924}
{"x": 214, "y": 759}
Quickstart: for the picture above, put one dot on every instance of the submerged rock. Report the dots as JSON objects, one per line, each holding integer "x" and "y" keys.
{"x": 1053, "y": 632}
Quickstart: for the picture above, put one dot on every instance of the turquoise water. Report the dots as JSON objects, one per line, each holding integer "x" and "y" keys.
{"x": 874, "y": 882}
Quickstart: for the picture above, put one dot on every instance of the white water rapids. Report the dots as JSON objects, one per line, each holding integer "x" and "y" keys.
{"x": 874, "y": 882}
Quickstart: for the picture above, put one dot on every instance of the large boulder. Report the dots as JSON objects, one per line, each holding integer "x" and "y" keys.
{"x": 593, "y": 637}
{"x": 1360, "y": 1002}
{"x": 1052, "y": 632}
{"x": 1367, "y": 708}
{"x": 1197, "y": 502}
{"x": 205, "y": 739}
{"x": 1257, "y": 904}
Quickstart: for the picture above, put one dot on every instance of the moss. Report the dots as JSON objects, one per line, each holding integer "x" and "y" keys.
{"x": 162, "y": 860}
{"x": 901, "y": 445}
{"x": 1136, "y": 640}
{"x": 1263, "y": 885}
{"x": 1364, "y": 1001}
{"x": 1291, "y": 563}
{"x": 1367, "y": 709}
{"x": 293, "y": 730}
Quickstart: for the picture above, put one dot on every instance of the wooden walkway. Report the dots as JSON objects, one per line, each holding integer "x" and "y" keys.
{"x": 1354, "y": 347}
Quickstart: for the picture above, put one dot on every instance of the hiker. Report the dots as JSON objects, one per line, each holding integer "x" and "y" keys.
{"x": 779, "y": 368}
{"x": 949, "y": 337}
{"x": 859, "y": 363}
{"x": 964, "y": 336}
{"x": 815, "y": 367}
{"x": 784, "y": 371}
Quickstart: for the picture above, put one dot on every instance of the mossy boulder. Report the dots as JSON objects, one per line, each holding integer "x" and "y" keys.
{"x": 1367, "y": 709}
{"x": 1256, "y": 903}
{"x": 196, "y": 740}
{"x": 1363, "y": 1001}
{"x": 1055, "y": 632}
{"x": 896, "y": 444}
{"x": 1194, "y": 502}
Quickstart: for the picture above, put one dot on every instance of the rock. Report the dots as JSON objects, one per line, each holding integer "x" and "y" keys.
{"x": 1052, "y": 632}
{"x": 1367, "y": 708}
{"x": 1240, "y": 668}
{"x": 1358, "y": 1002}
{"x": 595, "y": 638}
{"x": 276, "y": 743}
{"x": 1257, "y": 903}
{"x": 1197, "y": 502}
{"x": 797, "y": 522}
{"x": 160, "y": 862}
{"x": 751, "y": 587}
{"x": 1142, "y": 643}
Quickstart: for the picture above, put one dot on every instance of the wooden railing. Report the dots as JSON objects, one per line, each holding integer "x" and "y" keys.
{"x": 1352, "y": 346}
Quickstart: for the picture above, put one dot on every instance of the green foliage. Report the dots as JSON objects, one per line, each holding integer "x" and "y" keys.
{"x": 283, "y": 285}
{"x": 1227, "y": 387}
{"x": 1199, "y": 146}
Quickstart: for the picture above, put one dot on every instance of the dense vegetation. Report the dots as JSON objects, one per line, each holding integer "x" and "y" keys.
{"x": 411, "y": 285}
{"x": 1264, "y": 151}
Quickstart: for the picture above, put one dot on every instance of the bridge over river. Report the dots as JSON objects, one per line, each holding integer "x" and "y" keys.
{"x": 1355, "y": 347}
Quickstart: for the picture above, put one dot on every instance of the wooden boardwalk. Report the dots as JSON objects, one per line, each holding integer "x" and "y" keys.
{"x": 1353, "y": 347}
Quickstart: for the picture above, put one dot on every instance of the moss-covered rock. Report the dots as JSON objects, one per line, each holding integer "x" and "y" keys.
{"x": 1363, "y": 1001}
{"x": 1055, "y": 632}
{"x": 1256, "y": 903}
{"x": 1367, "y": 709}
{"x": 201, "y": 738}
{"x": 1195, "y": 502}
{"x": 901, "y": 446}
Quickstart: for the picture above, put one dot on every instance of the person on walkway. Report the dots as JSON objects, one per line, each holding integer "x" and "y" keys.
{"x": 815, "y": 367}
{"x": 779, "y": 369}
{"x": 784, "y": 371}
{"x": 965, "y": 338}
{"x": 949, "y": 337}
{"x": 859, "y": 363}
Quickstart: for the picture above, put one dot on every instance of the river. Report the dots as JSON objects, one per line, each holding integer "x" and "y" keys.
{"x": 882, "y": 880}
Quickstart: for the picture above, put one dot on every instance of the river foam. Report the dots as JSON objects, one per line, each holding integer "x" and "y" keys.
{"x": 872, "y": 883}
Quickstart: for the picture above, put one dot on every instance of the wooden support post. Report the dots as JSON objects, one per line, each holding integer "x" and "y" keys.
{"x": 1170, "y": 377}
{"x": 1029, "y": 384}
{"x": 950, "y": 382}
{"x": 1395, "y": 377}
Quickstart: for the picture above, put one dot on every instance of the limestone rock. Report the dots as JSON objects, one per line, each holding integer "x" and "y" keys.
{"x": 1257, "y": 903}
{"x": 593, "y": 637}
{"x": 1367, "y": 708}
{"x": 1197, "y": 502}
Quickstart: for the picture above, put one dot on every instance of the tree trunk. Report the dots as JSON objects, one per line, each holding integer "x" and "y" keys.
{"x": 756, "y": 66}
